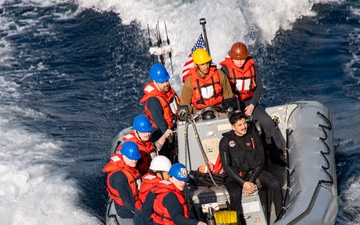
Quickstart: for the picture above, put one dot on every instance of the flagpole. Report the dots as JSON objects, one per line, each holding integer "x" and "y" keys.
{"x": 202, "y": 23}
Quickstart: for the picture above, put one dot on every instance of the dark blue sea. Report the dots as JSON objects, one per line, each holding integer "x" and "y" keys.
{"x": 72, "y": 74}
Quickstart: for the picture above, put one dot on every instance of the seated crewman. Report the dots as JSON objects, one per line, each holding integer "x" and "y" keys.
{"x": 205, "y": 86}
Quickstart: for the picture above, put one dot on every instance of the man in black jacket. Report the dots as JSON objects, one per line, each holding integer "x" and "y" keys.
{"x": 242, "y": 157}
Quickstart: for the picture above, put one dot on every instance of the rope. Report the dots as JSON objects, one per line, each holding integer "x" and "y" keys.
{"x": 325, "y": 168}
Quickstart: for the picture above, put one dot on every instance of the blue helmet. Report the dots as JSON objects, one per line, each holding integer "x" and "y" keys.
{"x": 130, "y": 150}
{"x": 179, "y": 171}
{"x": 142, "y": 124}
{"x": 158, "y": 73}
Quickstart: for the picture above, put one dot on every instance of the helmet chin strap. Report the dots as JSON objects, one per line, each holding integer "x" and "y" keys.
{"x": 138, "y": 136}
{"x": 161, "y": 174}
{"x": 201, "y": 73}
{"x": 156, "y": 85}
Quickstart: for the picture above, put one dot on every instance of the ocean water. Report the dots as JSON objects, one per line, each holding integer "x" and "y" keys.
{"x": 72, "y": 74}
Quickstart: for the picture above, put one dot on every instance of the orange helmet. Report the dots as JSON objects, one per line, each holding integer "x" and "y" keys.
{"x": 239, "y": 51}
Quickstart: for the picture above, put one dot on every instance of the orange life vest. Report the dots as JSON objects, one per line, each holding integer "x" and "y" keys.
{"x": 133, "y": 177}
{"x": 161, "y": 214}
{"x": 242, "y": 80}
{"x": 218, "y": 168}
{"x": 207, "y": 91}
{"x": 145, "y": 149}
{"x": 169, "y": 102}
{"x": 149, "y": 181}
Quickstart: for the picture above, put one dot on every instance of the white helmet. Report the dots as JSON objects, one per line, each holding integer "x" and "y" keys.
{"x": 160, "y": 163}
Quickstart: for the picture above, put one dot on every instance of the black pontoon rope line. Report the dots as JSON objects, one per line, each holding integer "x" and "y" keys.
{"x": 283, "y": 210}
{"x": 117, "y": 145}
{"x": 308, "y": 209}
{"x": 108, "y": 211}
{"x": 323, "y": 139}
{"x": 320, "y": 182}
{"x": 288, "y": 174}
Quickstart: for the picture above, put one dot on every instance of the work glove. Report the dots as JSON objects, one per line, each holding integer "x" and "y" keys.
{"x": 230, "y": 104}
{"x": 182, "y": 113}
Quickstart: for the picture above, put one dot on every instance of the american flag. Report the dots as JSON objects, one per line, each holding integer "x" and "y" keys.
{"x": 200, "y": 43}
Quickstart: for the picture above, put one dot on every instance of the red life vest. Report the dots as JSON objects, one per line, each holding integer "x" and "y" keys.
{"x": 242, "y": 80}
{"x": 207, "y": 91}
{"x": 133, "y": 177}
{"x": 161, "y": 214}
{"x": 169, "y": 102}
{"x": 145, "y": 149}
{"x": 218, "y": 168}
{"x": 149, "y": 181}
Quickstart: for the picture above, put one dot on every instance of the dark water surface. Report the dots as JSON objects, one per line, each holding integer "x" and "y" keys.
{"x": 84, "y": 75}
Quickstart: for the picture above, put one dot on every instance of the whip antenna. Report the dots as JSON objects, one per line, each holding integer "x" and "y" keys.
{"x": 202, "y": 23}
{"x": 168, "y": 42}
{"x": 159, "y": 41}
{"x": 150, "y": 44}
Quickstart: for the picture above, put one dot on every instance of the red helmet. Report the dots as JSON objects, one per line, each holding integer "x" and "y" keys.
{"x": 239, "y": 51}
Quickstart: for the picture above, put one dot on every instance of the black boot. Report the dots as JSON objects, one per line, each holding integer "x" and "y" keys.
{"x": 240, "y": 219}
{"x": 278, "y": 158}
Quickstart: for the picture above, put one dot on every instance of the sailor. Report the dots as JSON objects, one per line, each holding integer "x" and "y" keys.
{"x": 158, "y": 171}
{"x": 123, "y": 181}
{"x": 141, "y": 136}
{"x": 205, "y": 86}
{"x": 246, "y": 83}
{"x": 161, "y": 104}
{"x": 242, "y": 156}
{"x": 170, "y": 206}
